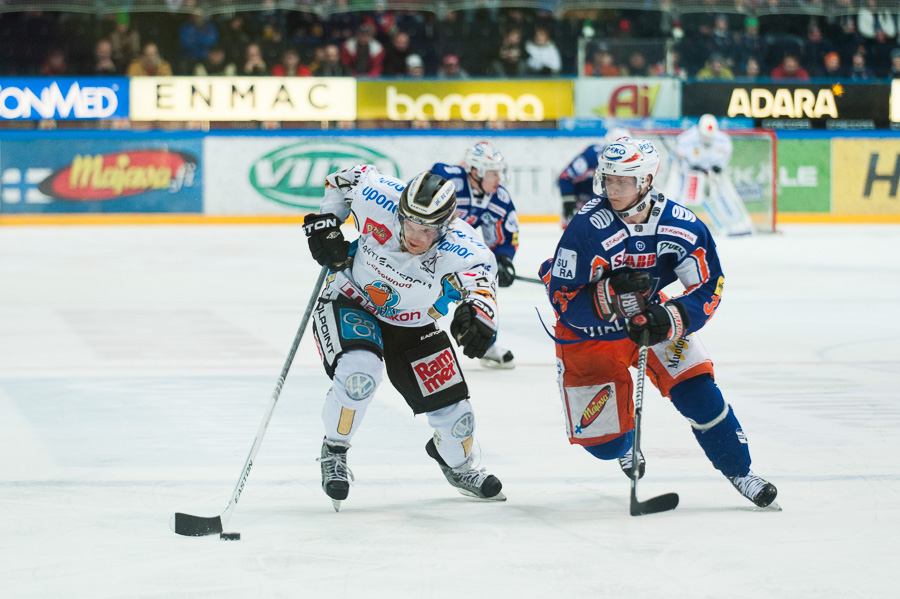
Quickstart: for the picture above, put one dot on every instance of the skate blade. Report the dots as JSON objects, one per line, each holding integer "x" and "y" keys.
{"x": 493, "y": 365}
{"x": 337, "y": 504}
{"x": 772, "y": 507}
{"x": 498, "y": 497}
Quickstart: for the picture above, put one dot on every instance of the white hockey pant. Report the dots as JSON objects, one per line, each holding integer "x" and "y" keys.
{"x": 454, "y": 427}
{"x": 356, "y": 377}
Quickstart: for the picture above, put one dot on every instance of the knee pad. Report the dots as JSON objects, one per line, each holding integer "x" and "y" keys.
{"x": 453, "y": 429}
{"x": 714, "y": 424}
{"x": 613, "y": 449}
{"x": 356, "y": 377}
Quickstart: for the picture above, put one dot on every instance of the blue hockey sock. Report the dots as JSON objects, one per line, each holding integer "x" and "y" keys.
{"x": 714, "y": 424}
{"x": 613, "y": 449}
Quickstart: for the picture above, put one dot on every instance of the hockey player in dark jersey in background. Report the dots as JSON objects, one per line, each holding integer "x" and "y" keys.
{"x": 483, "y": 202}
{"x": 605, "y": 282}
{"x": 576, "y": 182}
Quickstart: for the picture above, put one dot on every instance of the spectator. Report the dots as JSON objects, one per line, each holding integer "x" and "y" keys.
{"x": 543, "y": 55}
{"x": 871, "y": 20}
{"x": 363, "y": 54}
{"x": 235, "y": 40}
{"x": 831, "y": 66}
{"x": 415, "y": 66}
{"x": 895, "y": 64}
{"x": 790, "y": 69}
{"x": 723, "y": 41}
{"x": 215, "y": 64}
{"x": 815, "y": 48}
{"x": 752, "y": 70}
{"x": 125, "y": 40}
{"x": 196, "y": 37}
{"x": 55, "y": 63}
{"x": 637, "y": 65}
{"x": 751, "y": 44}
{"x": 715, "y": 68}
{"x": 879, "y": 54}
{"x": 450, "y": 68}
{"x": 103, "y": 60}
{"x": 149, "y": 63}
{"x": 396, "y": 53}
{"x": 509, "y": 62}
{"x": 318, "y": 57}
{"x": 253, "y": 61}
{"x": 331, "y": 65}
{"x": 602, "y": 64}
{"x": 290, "y": 66}
{"x": 670, "y": 66}
{"x": 858, "y": 67}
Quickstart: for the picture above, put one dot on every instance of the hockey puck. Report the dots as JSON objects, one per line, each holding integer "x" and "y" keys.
{"x": 230, "y": 536}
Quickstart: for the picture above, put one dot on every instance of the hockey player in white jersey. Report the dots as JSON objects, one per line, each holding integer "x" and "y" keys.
{"x": 484, "y": 203}
{"x": 413, "y": 259}
{"x": 701, "y": 180}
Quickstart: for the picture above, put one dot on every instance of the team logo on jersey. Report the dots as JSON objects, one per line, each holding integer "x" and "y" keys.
{"x": 675, "y": 353}
{"x": 682, "y": 213}
{"x": 384, "y": 297}
{"x": 639, "y": 246}
{"x": 377, "y": 230}
{"x": 564, "y": 264}
{"x": 634, "y": 260}
{"x": 669, "y": 247}
{"x": 436, "y": 372}
{"x": 595, "y": 406}
{"x": 678, "y": 232}
{"x": 615, "y": 239}
{"x": 428, "y": 265}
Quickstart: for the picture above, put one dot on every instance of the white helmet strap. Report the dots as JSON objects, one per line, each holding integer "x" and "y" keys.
{"x": 636, "y": 209}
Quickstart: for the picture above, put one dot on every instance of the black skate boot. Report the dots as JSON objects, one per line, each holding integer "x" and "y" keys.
{"x": 336, "y": 476}
{"x": 626, "y": 461}
{"x": 467, "y": 480}
{"x": 759, "y": 491}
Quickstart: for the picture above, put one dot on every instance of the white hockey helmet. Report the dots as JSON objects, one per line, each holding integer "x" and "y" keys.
{"x": 636, "y": 158}
{"x": 429, "y": 200}
{"x": 614, "y": 134}
{"x": 485, "y": 157}
{"x": 708, "y": 126}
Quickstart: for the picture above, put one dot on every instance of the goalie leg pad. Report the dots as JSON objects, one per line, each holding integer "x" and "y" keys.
{"x": 453, "y": 427}
{"x": 356, "y": 377}
{"x": 613, "y": 449}
{"x": 714, "y": 424}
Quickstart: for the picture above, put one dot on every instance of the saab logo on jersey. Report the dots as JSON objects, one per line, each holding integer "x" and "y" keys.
{"x": 377, "y": 230}
{"x": 675, "y": 353}
{"x": 634, "y": 260}
{"x": 615, "y": 239}
{"x": 678, "y": 232}
{"x": 564, "y": 264}
{"x": 294, "y": 174}
{"x": 119, "y": 175}
{"x": 669, "y": 247}
{"x": 436, "y": 372}
{"x": 595, "y": 406}
{"x": 602, "y": 218}
{"x": 683, "y": 213}
{"x": 383, "y": 296}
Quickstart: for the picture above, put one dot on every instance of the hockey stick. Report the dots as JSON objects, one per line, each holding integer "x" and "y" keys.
{"x": 662, "y": 503}
{"x": 529, "y": 280}
{"x": 199, "y": 526}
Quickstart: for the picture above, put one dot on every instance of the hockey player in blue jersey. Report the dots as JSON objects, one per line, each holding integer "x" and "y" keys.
{"x": 605, "y": 282}
{"x": 483, "y": 202}
{"x": 576, "y": 182}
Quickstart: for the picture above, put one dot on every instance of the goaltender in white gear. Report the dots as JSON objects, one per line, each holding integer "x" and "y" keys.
{"x": 413, "y": 260}
{"x": 704, "y": 153}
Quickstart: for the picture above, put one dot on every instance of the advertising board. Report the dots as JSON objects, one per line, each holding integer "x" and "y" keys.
{"x": 628, "y": 97}
{"x": 63, "y": 98}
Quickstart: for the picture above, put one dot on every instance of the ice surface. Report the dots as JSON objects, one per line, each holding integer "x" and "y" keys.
{"x": 137, "y": 362}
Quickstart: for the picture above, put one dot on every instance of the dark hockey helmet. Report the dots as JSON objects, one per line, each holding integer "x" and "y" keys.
{"x": 428, "y": 200}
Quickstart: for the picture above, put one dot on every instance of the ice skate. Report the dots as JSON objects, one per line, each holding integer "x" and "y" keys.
{"x": 467, "y": 480}
{"x": 498, "y": 358}
{"x": 626, "y": 461}
{"x": 336, "y": 476}
{"x": 759, "y": 491}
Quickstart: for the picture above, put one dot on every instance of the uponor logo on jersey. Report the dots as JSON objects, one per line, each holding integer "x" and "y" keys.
{"x": 455, "y": 248}
{"x": 436, "y": 372}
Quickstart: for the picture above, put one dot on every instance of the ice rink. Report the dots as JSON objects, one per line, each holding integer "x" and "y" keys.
{"x": 137, "y": 361}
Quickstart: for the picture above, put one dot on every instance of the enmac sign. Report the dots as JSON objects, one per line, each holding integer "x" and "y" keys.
{"x": 483, "y": 100}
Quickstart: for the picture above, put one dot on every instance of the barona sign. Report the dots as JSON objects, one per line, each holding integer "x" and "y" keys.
{"x": 295, "y": 175}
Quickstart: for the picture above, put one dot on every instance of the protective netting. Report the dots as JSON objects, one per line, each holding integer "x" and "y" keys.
{"x": 560, "y": 7}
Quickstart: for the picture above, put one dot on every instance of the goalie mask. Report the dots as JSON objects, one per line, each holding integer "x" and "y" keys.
{"x": 428, "y": 200}
{"x": 708, "y": 127}
{"x": 636, "y": 158}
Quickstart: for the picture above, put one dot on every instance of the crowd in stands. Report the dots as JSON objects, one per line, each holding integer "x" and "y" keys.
{"x": 506, "y": 42}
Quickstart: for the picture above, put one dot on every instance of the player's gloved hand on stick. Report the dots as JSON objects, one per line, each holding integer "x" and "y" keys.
{"x": 622, "y": 295}
{"x": 473, "y": 328}
{"x": 506, "y": 272}
{"x": 664, "y": 321}
{"x": 717, "y": 169}
{"x": 326, "y": 242}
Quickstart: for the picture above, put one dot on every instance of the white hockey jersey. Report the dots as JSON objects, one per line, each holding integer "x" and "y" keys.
{"x": 396, "y": 286}
{"x": 695, "y": 155}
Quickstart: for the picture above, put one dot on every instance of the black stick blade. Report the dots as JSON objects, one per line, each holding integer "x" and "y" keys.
{"x": 196, "y": 526}
{"x": 654, "y": 505}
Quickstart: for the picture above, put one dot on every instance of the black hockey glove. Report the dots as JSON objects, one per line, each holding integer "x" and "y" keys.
{"x": 569, "y": 208}
{"x": 326, "y": 242}
{"x": 717, "y": 169}
{"x": 664, "y": 321}
{"x": 473, "y": 328}
{"x": 622, "y": 295}
{"x": 506, "y": 272}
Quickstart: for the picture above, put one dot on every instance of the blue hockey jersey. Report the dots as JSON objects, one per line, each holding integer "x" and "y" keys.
{"x": 673, "y": 245}
{"x": 495, "y": 215}
{"x": 577, "y": 179}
